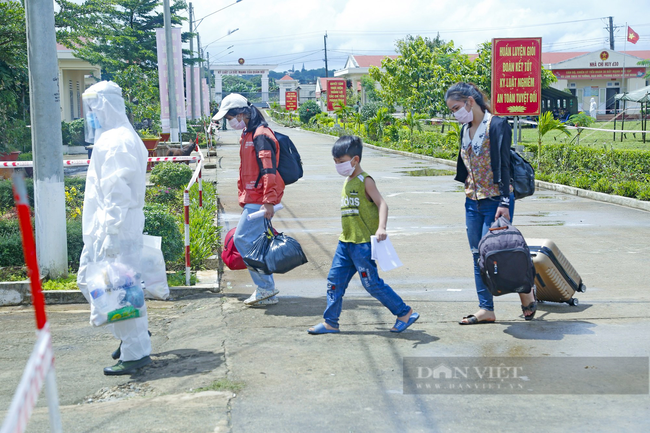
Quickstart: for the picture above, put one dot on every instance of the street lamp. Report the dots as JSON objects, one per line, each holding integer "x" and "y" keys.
{"x": 230, "y": 32}
{"x": 193, "y": 27}
{"x": 212, "y": 13}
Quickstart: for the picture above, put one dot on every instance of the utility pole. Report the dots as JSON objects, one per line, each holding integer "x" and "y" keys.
{"x": 45, "y": 112}
{"x": 192, "y": 94}
{"x": 201, "y": 74}
{"x": 209, "y": 83}
{"x": 326, "y": 71}
{"x": 171, "y": 85}
{"x": 611, "y": 33}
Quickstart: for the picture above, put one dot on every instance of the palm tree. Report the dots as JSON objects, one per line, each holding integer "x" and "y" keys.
{"x": 377, "y": 123}
{"x": 357, "y": 122}
{"x": 413, "y": 122}
{"x": 580, "y": 120}
{"x": 545, "y": 124}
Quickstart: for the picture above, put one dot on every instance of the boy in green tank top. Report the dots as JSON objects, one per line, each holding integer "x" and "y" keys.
{"x": 363, "y": 214}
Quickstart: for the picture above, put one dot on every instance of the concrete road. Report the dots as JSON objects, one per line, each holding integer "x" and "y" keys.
{"x": 258, "y": 370}
{"x": 353, "y": 381}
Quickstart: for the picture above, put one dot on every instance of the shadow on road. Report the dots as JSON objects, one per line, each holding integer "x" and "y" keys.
{"x": 179, "y": 363}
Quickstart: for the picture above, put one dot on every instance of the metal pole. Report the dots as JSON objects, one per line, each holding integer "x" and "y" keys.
{"x": 623, "y": 121}
{"x": 49, "y": 189}
{"x": 173, "y": 116}
{"x": 209, "y": 83}
{"x": 186, "y": 214}
{"x": 325, "y": 40}
{"x": 201, "y": 78}
{"x": 611, "y": 33}
{"x": 192, "y": 93}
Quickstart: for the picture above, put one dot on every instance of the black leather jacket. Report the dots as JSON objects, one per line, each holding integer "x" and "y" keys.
{"x": 500, "y": 141}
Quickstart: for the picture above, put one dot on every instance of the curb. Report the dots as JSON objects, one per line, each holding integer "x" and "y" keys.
{"x": 18, "y": 293}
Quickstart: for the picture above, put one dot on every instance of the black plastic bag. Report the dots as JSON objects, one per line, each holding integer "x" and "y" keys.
{"x": 274, "y": 253}
{"x": 255, "y": 258}
{"x": 284, "y": 254}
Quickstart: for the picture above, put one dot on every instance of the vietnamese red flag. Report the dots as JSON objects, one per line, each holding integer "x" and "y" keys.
{"x": 632, "y": 36}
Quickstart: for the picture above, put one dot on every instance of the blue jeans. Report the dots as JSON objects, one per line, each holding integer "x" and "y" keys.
{"x": 479, "y": 216}
{"x": 245, "y": 235}
{"x": 349, "y": 259}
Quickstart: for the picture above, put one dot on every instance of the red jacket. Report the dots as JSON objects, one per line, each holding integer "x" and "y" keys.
{"x": 253, "y": 188}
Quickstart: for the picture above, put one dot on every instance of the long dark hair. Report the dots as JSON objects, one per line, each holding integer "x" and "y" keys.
{"x": 254, "y": 115}
{"x": 462, "y": 91}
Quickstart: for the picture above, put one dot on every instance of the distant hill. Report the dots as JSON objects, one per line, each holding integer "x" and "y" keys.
{"x": 304, "y": 76}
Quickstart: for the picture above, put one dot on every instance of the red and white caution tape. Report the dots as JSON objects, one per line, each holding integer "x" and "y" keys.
{"x": 82, "y": 162}
{"x": 41, "y": 362}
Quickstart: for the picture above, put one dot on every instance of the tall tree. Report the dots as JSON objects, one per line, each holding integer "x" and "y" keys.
{"x": 419, "y": 76}
{"x": 114, "y": 34}
{"x": 14, "y": 79}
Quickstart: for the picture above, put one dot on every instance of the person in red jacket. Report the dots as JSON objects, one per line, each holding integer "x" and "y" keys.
{"x": 260, "y": 185}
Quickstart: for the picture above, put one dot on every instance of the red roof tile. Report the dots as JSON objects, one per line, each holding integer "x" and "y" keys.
{"x": 368, "y": 61}
{"x": 286, "y": 77}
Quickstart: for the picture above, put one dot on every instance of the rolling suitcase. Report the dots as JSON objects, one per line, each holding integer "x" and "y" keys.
{"x": 555, "y": 279}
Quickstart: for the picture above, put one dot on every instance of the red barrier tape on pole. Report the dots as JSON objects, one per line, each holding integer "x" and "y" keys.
{"x": 200, "y": 189}
{"x": 186, "y": 204}
{"x": 29, "y": 247}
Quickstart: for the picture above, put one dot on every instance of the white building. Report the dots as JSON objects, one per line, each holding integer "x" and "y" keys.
{"x": 600, "y": 75}
{"x": 75, "y": 76}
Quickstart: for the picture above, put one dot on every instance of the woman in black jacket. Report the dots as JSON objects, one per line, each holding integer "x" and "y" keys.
{"x": 484, "y": 167}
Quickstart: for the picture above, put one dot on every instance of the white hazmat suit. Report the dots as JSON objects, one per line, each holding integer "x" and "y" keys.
{"x": 113, "y": 217}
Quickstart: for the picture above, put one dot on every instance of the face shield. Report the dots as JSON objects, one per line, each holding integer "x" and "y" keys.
{"x": 91, "y": 124}
{"x": 103, "y": 109}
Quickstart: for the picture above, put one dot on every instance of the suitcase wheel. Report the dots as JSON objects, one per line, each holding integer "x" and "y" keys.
{"x": 582, "y": 288}
{"x": 573, "y": 302}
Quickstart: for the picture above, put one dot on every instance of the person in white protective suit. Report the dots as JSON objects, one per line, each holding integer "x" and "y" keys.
{"x": 593, "y": 108}
{"x": 113, "y": 216}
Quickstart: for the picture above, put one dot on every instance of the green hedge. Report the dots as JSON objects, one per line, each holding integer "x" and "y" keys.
{"x": 624, "y": 172}
{"x": 171, "y": 174}
{"x": 11, "y": 245}
{"x": 158, "y": 221}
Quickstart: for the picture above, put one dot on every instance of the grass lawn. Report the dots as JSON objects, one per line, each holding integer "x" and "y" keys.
{"x": 588, "y": 137}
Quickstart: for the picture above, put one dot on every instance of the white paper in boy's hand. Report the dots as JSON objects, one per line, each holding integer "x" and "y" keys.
{"x": 384, "y": 253}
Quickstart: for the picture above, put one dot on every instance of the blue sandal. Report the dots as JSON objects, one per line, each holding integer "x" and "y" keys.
{"x": 401, "y": 326}
{"x": 321, "y": 329}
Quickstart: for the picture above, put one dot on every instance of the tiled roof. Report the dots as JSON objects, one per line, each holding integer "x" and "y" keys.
{"x": 368, "y": 61}
{"x": 287, "y": 77}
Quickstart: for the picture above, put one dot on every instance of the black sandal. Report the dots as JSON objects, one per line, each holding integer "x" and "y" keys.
{"x": 531, "y": 307}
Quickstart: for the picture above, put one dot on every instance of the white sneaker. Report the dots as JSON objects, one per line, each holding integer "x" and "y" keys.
{"x": 260, "y": 295}
{"x": 268, "y": 301}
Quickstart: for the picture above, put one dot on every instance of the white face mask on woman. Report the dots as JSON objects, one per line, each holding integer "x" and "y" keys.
{"x": 236, "y": 123}
{"x": 463, "y": 115}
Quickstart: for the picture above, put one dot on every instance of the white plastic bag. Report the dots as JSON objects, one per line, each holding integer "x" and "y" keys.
{"x": 115, "y": 291}
{"x": 154, "y": 273}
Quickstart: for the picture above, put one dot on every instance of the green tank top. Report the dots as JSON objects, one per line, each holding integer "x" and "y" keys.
{"x": 359, "y": 216}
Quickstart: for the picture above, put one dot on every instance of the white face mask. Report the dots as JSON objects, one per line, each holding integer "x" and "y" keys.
{"x": 345, "y": 168}
{"x": 463, "y": 115}
{"x": 236, "y": 123}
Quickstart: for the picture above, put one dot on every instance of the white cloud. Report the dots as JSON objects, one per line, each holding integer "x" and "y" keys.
{"x": 290, "y": 32}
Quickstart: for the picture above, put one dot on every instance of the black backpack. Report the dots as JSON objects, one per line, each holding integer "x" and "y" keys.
{"x": 522, "y": 174}
{"x": 289, "y": 165}
{"x": 504, "y": 260}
